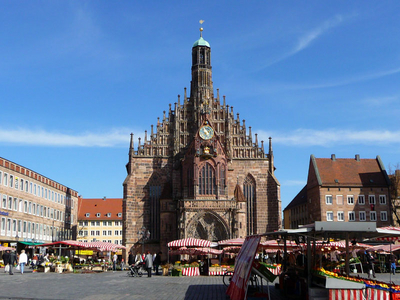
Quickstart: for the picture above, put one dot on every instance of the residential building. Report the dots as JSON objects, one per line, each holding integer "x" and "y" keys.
{"x": 342, "y": 190}
{"x": 201, "y": 172}
{"x": 100, "y": 219}
{"x": 34, "y": 208}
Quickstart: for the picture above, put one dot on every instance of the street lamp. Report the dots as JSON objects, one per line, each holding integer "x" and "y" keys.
{"x": 17, "y": 237}
{"x": 144, "y": 235}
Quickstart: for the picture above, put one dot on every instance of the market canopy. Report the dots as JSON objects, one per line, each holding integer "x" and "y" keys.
{"x": 390, "y": 230}
{"x": 2, "y": 248}
{"x": 99, "y": 246}
{"x": 31, "y": 243}
{"x": 385, "y": 248}
{"x": 231, "y": 242}
{"x": 191, "y": 242}
{"x": 195, "y": 251}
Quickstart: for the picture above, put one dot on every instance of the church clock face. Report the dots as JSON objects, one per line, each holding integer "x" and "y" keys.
{"x": 206, "y": 132}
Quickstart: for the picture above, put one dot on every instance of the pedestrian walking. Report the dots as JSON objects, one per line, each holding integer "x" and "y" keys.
{"x": 9, "y": 258}
{"x": 149, "y": 263}
{"x": 23, "y": 260}
{"x": 115, "y": 260}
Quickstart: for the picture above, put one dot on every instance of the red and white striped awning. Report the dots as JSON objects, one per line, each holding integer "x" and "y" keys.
{"x": 2, "y": 248}
{"x": 99, "y": 246}
{"x": 231, "y": 242}
{"x": 191, "y": 242}
{"x": 231, "y": 249}
{"x": 385, "y": 248}
{"x": 195, "y": 251}
{"x": 391, "y": 231}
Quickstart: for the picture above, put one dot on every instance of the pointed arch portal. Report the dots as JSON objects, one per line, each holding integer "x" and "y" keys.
{"x": 207, "y": 226}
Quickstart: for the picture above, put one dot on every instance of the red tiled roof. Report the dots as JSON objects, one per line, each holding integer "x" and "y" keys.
{"x": 99, "y": 205}
{"x": 346, "y": 171}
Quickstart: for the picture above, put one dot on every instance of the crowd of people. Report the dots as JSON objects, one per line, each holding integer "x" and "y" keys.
{"x": 10, "y": 259}
{"x": 146, "y": 261}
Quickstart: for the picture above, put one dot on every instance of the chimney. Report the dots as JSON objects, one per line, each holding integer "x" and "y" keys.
{"x": 357, "y": 157}
{"x": 333, "y": 157}
{"x": 104, "y": 198}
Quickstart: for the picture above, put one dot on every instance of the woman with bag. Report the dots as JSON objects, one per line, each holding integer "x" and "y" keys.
{"x": 23, "y": 260}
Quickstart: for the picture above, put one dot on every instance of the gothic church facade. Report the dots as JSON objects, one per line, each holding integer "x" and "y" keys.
{"x": 200, "y": 173}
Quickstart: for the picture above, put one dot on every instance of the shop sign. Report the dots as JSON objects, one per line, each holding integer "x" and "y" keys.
{"x": 5, "y": 244}
{"x": 84, "y": 252}
{"x": 13, "y": 244}
{"x": 238, "y": 287}
{"x": 3, "y": 213}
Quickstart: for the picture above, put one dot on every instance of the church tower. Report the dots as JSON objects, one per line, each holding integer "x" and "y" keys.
{"x": 201, "y": 173}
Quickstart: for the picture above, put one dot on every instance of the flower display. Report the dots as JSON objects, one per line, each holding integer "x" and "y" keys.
{"x": 375, "y": 284}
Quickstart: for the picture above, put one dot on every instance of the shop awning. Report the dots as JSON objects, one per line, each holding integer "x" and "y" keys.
{"x": 98, "y": 246}
{"x": 231, "y": 242}
{"x": 31, "y": 243}
{"x": 191, "y": 242}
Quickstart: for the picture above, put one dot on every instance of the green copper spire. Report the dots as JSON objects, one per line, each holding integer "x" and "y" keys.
{"x": 201, "y": 41}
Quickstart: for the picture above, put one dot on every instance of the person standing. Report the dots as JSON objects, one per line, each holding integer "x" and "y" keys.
{"x": 149, "y": 263}
{"x": 393, "y": 264}
{"x": 131, "y": 259}
{"x": 23, "y": 260}
{"x": 6, "y": 259}
{"x": 122, "y": 264}
{"x": 370, "y": 263}
{"x": 115, "y": 259}
{"x": 157, "y": 262}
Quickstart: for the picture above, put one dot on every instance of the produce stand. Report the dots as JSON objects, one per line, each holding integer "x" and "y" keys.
{"x": 343, "y": 285}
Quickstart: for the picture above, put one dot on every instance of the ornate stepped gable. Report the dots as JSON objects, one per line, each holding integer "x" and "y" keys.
{"x": 175, "y": 133}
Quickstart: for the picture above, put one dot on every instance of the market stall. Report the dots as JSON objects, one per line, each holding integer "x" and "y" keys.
{"x": 316, "y": 282}
{"x": 191, "y": 247}
{"x": 62, "y": 264}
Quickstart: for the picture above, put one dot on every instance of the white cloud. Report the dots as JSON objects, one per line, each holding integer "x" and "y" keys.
{"x": 306, "y": 39}
{"x": 379, "y": 101}
{"x": 329, "y": 137}
{"x": 121, "y": 137}
{"x": 310, "y": 36}
{"x": 22, "y": 136}
{"x": 343, "y": 81}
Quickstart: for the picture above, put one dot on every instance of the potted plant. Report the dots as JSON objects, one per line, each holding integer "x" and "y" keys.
{"x": 177, "y": 270}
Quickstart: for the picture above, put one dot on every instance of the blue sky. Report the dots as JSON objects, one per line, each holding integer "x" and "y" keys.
{"x": 77, "y": 77}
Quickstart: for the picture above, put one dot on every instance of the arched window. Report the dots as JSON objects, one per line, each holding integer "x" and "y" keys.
{"x": 207, "y": 180}
{"x": 154, "y": 195}
{"x": 222, "y": 180}
{"x": 249, "y": 191}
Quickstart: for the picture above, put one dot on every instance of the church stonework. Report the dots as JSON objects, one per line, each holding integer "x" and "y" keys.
{"x": 200, "y": 173}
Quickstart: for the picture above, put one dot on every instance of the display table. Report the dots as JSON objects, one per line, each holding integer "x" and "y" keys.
{"x": 191, "y": 271}
{"x": 216, "y": 273}
{"x": 347, "y": 294}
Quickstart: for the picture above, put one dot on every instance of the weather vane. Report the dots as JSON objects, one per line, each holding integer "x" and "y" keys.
{"x": 201, "y": 28}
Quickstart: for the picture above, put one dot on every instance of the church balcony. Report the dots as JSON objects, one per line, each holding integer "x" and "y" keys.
{"x": 211, "y": 204}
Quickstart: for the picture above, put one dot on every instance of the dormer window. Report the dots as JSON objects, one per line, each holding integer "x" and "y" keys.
{"x": 98, "y": 215}
{"x": 87, "y": 215}
{"x": 119, "y": 215}
{"x": 109, "y": 215}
